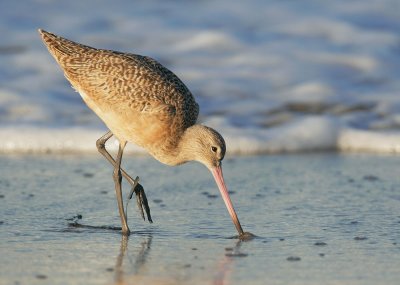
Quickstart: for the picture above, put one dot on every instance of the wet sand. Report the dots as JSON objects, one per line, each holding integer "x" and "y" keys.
{"x": 319, "y": 219}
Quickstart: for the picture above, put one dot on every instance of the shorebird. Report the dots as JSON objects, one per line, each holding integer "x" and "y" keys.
{"x": 141, "y": 102}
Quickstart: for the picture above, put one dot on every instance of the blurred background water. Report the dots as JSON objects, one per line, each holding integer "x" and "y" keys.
{"x": 271, "y": 76}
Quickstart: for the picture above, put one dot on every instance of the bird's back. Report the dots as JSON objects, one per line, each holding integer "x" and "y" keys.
{"x": 137, "y": 98}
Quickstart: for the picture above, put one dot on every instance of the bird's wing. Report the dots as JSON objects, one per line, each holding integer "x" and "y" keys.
{"x": 131, "y": 83}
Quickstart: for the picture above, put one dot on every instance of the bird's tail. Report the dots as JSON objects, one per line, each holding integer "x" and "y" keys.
{"x": 62, "y": 48}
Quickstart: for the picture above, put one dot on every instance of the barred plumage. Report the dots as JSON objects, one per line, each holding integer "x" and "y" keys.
{"x": 135, "y": 86}
{"x": 141, "y": 102}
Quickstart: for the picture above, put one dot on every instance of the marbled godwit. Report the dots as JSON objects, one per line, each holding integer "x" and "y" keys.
{"x": 141, "y": 102}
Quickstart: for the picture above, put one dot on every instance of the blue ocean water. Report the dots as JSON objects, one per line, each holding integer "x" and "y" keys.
{"x": 271, "y": 76}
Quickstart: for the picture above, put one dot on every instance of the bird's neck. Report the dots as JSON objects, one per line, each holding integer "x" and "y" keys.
{"x": 184, "y": 150}
{"x": 188, "y": 144}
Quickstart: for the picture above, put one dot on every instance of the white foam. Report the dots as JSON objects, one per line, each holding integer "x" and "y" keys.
{"x": 311, "y": 92}
{"x": 61, "y": 140}
{"x": 309, "y": 134}
{"x": 314, "y": 133}
{"x": 337, "y": 31}
{"x": 355, "y": 61}
{"x": 207, "y": 40}
{"x": 367, "y": 141}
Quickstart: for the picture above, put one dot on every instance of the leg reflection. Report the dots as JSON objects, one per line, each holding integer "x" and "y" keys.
{"x": 141, "y": 258}
{"x": 138, "y": 260}
{"x": 119, "y": 271}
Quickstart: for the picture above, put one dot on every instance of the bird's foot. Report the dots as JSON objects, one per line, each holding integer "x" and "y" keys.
{"x": 133, "y": 189}
{"x": 141, "y": 199}
{"x": 142, "y": 203}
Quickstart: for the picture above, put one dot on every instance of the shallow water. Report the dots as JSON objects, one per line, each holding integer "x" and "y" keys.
{"x": 319, "y": 218}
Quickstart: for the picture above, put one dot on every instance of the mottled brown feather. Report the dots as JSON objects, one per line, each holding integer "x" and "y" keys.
{"x": 131, "y": 93}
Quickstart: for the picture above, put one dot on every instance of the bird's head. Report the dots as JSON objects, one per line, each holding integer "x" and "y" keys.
{"x": 207, "y": 146}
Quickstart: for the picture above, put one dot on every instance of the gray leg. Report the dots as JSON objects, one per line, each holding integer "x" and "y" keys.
{"x": 117, "y": 180}
{"x": 101, "y": 146}
{"x": 136, "y": 187}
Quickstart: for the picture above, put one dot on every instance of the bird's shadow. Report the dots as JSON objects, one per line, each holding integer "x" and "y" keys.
{"x": 76, "y": 225}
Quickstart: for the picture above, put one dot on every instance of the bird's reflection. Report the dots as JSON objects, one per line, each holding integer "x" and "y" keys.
{"x": 224, "y": 267}
{"x": 135, "y": 263}
{"x": 137, "y": 260}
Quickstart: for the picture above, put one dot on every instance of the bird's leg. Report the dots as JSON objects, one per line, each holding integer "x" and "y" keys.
{"x": 117, "y": 180}
{"x": 136, "y": 187}
{"x": 101, "y": 147}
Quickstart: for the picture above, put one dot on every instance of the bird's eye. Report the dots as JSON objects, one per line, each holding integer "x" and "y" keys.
{"x": 214, "y": 148}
